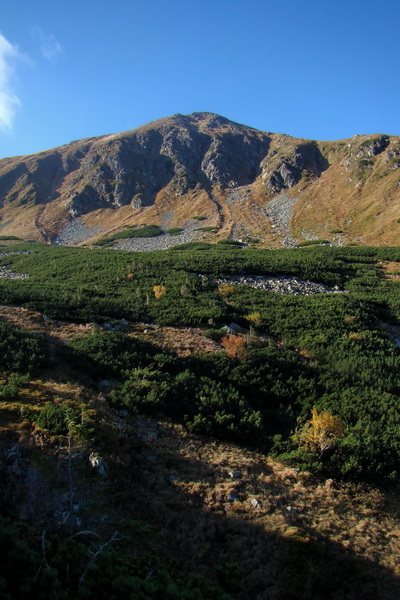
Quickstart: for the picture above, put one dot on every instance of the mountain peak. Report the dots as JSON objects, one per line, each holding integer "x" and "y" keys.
{"x": 246, "y": 183}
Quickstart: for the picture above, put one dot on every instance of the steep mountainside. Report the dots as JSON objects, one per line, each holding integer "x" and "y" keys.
{"x": 245, "y": 183}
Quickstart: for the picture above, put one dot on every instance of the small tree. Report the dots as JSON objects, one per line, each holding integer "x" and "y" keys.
{"x": 321, "y": 433}
{"x": 54, "y": 418}
{"x": 234, "y": 345}
{"x": 227, "y": 289}
{"x": 159, "y": 291}
{"x": 255, "y": 319}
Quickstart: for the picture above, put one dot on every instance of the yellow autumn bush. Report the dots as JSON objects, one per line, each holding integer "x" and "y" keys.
{"x": 159, "y": 291}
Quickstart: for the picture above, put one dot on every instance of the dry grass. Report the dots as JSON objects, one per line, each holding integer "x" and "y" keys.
{"x": 35, "y": 321}
{"x": 297, "y": 520}
{"x": 291, "y": 533}
{"x": 181, "y": 340}
{"x": 390, "y": 270}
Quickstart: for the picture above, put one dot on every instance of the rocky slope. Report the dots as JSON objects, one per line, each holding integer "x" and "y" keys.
{"x": 246, "y": 183}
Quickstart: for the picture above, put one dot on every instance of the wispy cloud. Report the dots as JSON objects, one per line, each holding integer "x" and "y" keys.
{"x": 9, "y": 102}
{"x": 49, "y": 46}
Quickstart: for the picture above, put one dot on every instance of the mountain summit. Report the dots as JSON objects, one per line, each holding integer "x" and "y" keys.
{"x": 244, "y": 183}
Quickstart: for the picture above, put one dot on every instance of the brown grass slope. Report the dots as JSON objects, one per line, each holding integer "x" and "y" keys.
{"x": 205, "y": 165}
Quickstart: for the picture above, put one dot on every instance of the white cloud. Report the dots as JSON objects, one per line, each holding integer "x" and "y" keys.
{"x": 49, "y": 46}
{"x": 9, "y": 102}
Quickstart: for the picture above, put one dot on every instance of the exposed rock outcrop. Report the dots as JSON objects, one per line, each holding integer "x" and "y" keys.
{"x": 202, "y": 164}
{"x": 304, "y": 159}
{"x": 177, "y": 155}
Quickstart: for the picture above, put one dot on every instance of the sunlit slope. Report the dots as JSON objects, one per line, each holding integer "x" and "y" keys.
{"x": 246, "y": 184}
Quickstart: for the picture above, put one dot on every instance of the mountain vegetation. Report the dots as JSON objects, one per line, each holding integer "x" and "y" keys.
{"x": 141, "y": 394}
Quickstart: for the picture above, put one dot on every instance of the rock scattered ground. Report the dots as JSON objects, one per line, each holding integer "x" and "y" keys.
{"x": 280, "y": 211}
{"x": 280, "y": 285}
{"x": 238, "y": 196}
{"x": 76, "y": 232}
{"x": 161, "y": 242}
{"x": 6, "y": 273}
{"x": 166, "y": 219}
{"x": 15, "y": 252}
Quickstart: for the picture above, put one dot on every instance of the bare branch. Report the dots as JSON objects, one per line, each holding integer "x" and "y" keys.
{"x": 91, "y": 562}
{"x": 69, "y": 539}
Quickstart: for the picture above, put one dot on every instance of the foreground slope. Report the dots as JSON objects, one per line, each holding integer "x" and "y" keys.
{"x": 245, "y": 183}
{"x": 121, "y": 504}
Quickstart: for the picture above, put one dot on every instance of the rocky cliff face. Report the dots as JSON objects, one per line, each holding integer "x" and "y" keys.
{"x": 179, "y": 154}
{"x": 185, "y": 164}
{"x": 285, "y": 171}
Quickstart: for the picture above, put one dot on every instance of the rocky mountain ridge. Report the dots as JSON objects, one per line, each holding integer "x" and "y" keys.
{"x": 245, "y": 183}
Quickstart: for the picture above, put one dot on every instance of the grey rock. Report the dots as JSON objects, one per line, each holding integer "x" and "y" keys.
{"x": 234, "y": 159}
{"x": 75, "y": 232}
{"x": 176, "y": 154}
{"x": 65, "y": 516}
{"x": 289, "y": 171}
{"x": 161, "y": 242}
{"x": 280, "y": 285}
{"x": 232, "y": 497}
{"x": 280, "y": 211}
{"x": 374, "y": 146}
{"x": 99, "y": 464}
{"x": 6, "y": 273}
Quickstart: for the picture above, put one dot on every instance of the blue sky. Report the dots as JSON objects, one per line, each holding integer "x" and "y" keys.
{"x": 313, "y": 69}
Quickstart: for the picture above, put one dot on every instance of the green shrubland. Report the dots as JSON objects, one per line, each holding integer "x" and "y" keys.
{"x": 316, "y": 384}
{"x": 324, "y": 352}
